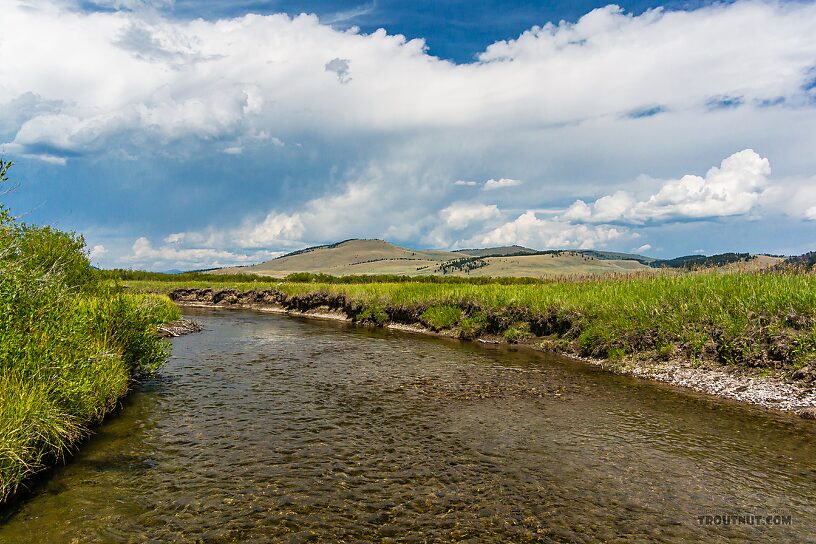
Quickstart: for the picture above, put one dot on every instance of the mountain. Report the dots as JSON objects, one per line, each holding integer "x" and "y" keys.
{"x": 351, "y": 257}
{"x": 502, "y": 251}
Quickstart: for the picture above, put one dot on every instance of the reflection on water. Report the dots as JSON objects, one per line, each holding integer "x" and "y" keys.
{"x": 268, "y": 429}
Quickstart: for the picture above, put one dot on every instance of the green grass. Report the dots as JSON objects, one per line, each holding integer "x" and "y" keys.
{"x": 738, "y": 318}
{"x": 441, "y": 317}
{"x": 70, "y": 346}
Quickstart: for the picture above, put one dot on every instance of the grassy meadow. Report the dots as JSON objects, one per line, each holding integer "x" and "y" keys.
{"x": 70, "y": 346}
{"x": 750, "y": 319}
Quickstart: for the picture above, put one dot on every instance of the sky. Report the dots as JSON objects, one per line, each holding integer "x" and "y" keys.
{"x": 187, "y": 134}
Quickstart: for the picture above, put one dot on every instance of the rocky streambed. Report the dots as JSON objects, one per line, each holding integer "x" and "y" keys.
{"x": 766, "y": 387}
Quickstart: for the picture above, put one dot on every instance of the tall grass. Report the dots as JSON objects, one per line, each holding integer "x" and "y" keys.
{"x": 70, "y": 346}
{"x": 741, "y": 318}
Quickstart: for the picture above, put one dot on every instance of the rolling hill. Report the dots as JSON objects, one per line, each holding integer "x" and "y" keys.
{"x": 379, "y": 257}
{"x": 373, "y": 257}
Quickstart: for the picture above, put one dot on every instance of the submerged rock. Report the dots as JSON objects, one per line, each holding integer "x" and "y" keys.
{"x": 806, "y": 373}
{"x": 807, "y": 413}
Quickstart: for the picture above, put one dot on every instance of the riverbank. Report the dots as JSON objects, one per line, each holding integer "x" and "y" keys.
{"x": 71, "y": 345}
{"x": 68, "y": 372}
{"x": 764, "y": 358}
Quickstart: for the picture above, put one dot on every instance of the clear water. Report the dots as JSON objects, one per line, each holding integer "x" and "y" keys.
{"x": 272, "y": 429}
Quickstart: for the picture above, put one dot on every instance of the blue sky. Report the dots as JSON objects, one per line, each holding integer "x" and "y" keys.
{"x": 186, "y": 134}
{"x": 454, "y": 30}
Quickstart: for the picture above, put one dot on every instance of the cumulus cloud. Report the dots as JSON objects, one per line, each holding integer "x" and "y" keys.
{"x": 493, "y": 184}
{"x": 144, "y": 254}
{"x": 97, "y": 252}
{"x": 273, "y": 230}
{"x": 133, "y": 5}
{"x": 527, "y": 229}
{"x": 810, "y": 213}
{"x": 459, "y": 215}
{"x": 465, "y": 183}
{"x": 211, "y": 79}
{"x": 733, "y": 188}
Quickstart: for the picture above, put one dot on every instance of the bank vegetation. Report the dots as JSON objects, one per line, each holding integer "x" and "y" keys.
{"x": 71, "y": 344}
{"x": 763, "y": 321}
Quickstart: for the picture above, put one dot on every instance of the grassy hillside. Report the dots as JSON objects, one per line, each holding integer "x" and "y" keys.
{"x": 351, "y": 257}
{"x": 356, "y": 257}
{"x": 70, "y": 345}
{"x": 555, "y": 264}
{"x": 497, "y": 251}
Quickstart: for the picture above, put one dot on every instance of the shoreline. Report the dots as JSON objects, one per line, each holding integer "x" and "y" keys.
{"x": 770, "y": 391}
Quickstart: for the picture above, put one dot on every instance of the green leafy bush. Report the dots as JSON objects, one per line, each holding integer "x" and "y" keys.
{"x": 473, "y": 326}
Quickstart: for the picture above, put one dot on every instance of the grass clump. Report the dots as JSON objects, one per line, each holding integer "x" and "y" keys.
{"x": 473, "y": 325}
{"x": 70, "y": 345}
{"x": 440, "y": 317}
{"x": 517, "y": 332}
{"x": 373, "y": 314}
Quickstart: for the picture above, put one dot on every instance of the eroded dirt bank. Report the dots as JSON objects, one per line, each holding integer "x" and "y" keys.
{"x": 767, "y": 387}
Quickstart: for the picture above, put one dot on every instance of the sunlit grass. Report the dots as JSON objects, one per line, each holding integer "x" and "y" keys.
{"x": 70, "y": 346}
{"x": 746, "y": 318}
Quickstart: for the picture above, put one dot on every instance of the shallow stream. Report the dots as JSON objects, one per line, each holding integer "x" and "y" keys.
{"x": 266, "y": 428}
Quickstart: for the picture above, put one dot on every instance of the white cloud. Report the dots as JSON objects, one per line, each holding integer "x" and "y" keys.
{"x": 330, "y": 217}
{"x": 502, "y": 183}
{"x": 233, "y": 150}
{"x": 641, "y": 249}
{"x": 572, "y": 109}
{"x": 144, "y": 254}
{"x": 97, "y": 252}
{"x": 529, "y": 230}
{"x": 133, "y": 4}
{"x": 462, "y": 214}
{"x": 732, "y": 189}
{"x": 276, "y": 228}
{"x": 810, "y": 213}
{"x": 227, "y": 78}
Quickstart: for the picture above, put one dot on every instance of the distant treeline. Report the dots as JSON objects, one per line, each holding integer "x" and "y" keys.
{"x": 692, "y": 262}
{"x": 806, "y": 262}
{"x": 600, "y": 255}
{"x": 465, "y": 264}
{"x": 307, "y": 277}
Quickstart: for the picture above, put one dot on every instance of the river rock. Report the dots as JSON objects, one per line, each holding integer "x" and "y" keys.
{"x": 807, "y": 413}
{"x": 806, "y": 373}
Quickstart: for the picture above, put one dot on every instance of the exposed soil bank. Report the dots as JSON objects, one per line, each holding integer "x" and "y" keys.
{"x": 766, "y": 387}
